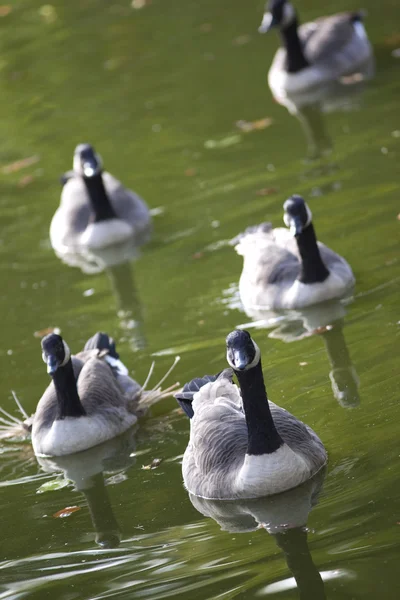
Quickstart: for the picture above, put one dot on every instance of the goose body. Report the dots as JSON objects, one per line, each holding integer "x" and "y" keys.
{"x": 90, "y": 400}
{"x": 327, "y": 49}
{"x": 285, "y": 269}
{"x": 241, "y": 444}
{"x": 96, "y": 210}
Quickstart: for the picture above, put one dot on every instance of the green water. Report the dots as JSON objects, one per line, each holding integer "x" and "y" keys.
{"x": 149, "y": 88}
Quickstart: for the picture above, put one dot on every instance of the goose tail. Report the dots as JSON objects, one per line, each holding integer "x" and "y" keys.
{"x": 156, "y": 393}
{"x": 15, "y": 428}
{"x": 104, "y": 343}
{"x": 186, "y": 394}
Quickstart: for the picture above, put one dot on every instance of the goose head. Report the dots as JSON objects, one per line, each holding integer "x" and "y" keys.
{"x": 242, "y": 353}
{"x": 297, "y": 216}
{"x": 278, "y": 13}
{"x": 55, "y": 352}
{"x": 86, "y": 161}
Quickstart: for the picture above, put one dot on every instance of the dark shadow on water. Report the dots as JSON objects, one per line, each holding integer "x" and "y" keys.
{"x": 285, "y": 518}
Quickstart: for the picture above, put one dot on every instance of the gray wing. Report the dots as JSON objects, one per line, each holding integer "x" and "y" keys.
{"x": 334, "y": 43}
{"x": 328, "y": 36}
{"x": 129, "y": 206}
{"x": 299, "y": 436}
{"x": 270, "y": 255}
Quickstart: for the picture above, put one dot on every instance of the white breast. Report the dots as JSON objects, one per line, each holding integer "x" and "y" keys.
{"x": 74, "y": 434}
{"x": 105, "y": 233}
{"x": 269, "y": 474}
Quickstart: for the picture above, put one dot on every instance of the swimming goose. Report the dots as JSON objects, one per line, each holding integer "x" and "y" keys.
{"x": 328, "y": 48}
{"x": 91, "y": 398}
{"x": 285, "y": 269}
{"x": 242, "y": 445}
{"x": 96, "y": 211}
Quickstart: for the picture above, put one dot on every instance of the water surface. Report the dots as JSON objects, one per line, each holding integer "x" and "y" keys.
{"x": 158, "y": 92}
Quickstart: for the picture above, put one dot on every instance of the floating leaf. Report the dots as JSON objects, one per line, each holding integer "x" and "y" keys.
{"x": 231, "y": 140}
{"x": 5, "y": 10}
{"x": 247, "y": 126}
{"x": 26, "y": 180}
{"x": 153, "y": 465}
{"x": 266, "y": 191}
{"x": 138, "y": 4}
{"x": 190, "y": 172}
{"x": 53, "y": 485}
{"x": 48, "y": 13}
{"x": 66, "y": 512}
{"x": 42, "y": 332}
{"x": 20, "y": 164}
{"x": 241, "y": 40}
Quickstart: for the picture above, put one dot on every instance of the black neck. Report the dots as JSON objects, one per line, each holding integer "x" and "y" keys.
{"x": 293, "y": 543}
{"x": 296, "y": 61}
{"x": 69, "y": 404}
{"x": 313, "y": 269}
{"x": 98, "y": 198}
{"x": 263, "y": 437}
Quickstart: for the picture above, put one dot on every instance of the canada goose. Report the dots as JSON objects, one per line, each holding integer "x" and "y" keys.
{"x": 90, "y": 400}
{"x": 280, "y": 272}
{"x": 96, "y": 211}
{"x": 242, "y": 445}
{"x": 325, "y": 49}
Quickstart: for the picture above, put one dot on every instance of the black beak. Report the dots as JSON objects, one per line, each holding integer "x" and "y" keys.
{"x": 240, "y": 360}
{"x": 90, "y": 167}
{"x": 52, "y": 364}
{"x": 296, "y": 226}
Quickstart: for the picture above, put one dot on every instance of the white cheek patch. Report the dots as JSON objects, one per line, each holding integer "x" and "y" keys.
{"x": 286, "y": 217}
{"x": 67, "y": 354}
{"x": 309, "y": 215}
{"x": 256, "y": 359}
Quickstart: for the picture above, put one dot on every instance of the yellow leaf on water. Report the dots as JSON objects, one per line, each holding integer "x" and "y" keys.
{"x": 5, "y": 10}
{"x": 66, "y": 512}
{"x": 42, "y": 332}
{"x": 247, "y": 126}
{"x": 20, "y": 164}
{"x": 153, "y": 465}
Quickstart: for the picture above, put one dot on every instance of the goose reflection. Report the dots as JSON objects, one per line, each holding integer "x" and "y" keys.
{"x": 325, "y": 320}
{"x": 310, "y": 108}
{"x": 86, "y": 471}
{"x": 118, "y": 263}
{"x": 284, "y": 516}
